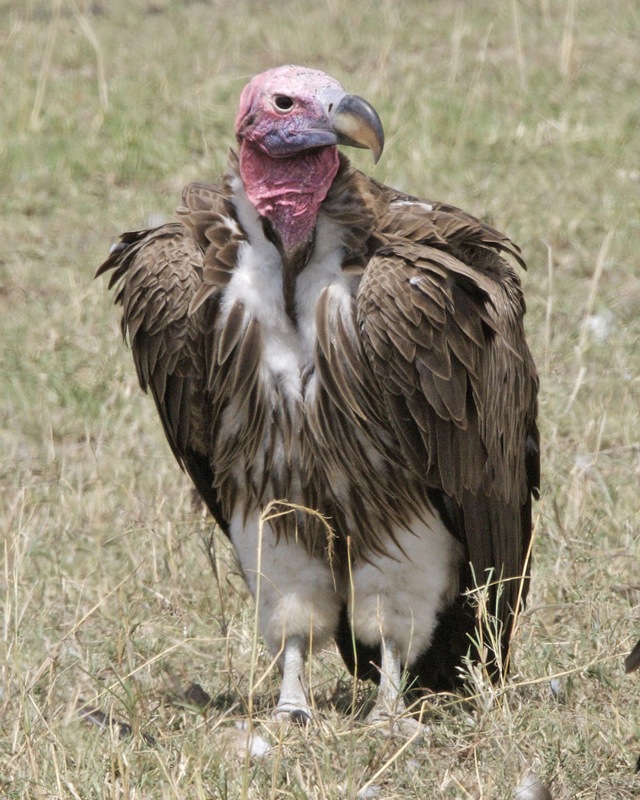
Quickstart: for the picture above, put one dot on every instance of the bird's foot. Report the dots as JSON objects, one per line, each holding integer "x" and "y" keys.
{"x": 394, "y": 725}
{"x": 293, "y": 713}
{"x": 396, "y": 722}
{"x": 390, "y": 712}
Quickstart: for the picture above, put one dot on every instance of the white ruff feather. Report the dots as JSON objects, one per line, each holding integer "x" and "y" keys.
{"x": 294, "y": 592}
{"x": 257, "y": 283}
{"x": 287, "y": 350}
{"x": 397, "y": 596}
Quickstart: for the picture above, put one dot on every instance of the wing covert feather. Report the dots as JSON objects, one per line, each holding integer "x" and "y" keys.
{"x": 159, "y": 271}
{"x": 440, "y": 319}
{"x": 158, "y": 274}
{"x": 462, "y": 358}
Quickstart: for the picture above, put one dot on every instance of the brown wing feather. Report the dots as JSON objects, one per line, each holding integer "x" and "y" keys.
{"x": 632, "y": 661}
{"x": 158, "y": 274}
{"x": 440, "y": 317}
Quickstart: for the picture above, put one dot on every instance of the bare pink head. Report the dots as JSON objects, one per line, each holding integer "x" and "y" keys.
{"x": 289, "y": 121}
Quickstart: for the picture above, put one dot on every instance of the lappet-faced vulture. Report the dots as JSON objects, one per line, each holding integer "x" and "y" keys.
{"x": 313, "y": 337}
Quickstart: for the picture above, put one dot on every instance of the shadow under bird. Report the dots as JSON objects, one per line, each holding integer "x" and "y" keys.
{"x": 313, "y": 337}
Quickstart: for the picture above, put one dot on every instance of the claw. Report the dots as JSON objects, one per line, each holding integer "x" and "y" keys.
{"x": 288, "y": 713}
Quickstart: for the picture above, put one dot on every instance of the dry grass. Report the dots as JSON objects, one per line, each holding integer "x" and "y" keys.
{"x": 525, "y": 113}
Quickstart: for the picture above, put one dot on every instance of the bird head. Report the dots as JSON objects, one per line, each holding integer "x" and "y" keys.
{"x": 290, "y": 110}
{"x": 290, "y": 120}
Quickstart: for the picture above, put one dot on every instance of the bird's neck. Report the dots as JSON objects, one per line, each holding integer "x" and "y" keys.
{"x": 288, "y": 191}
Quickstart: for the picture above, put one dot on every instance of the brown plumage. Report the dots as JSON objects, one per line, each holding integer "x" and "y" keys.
{"x": 368, "y": 363}
{"x": 632, "y": 661}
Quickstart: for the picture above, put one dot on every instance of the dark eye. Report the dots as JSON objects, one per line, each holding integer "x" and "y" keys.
{"x": 283, "y": 103}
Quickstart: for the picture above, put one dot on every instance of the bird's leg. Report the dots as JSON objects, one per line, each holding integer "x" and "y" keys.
{"x": 389, "y": 702}
{"x": 293, "y": 704}
{"x": 297, "y": 603}
{"x": 390, "y": 706}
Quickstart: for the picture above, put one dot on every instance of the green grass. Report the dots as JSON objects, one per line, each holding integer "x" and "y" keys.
{"x": 523, "y": 113}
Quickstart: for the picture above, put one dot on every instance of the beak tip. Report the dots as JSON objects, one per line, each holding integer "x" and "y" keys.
{"x": 358, "y": 125}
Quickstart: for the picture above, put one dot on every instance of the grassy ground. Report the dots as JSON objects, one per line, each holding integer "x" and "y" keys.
{"x": 525, "y": 113}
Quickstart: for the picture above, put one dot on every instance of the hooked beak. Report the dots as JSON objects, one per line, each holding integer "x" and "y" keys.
{"x": 356, "y": 123}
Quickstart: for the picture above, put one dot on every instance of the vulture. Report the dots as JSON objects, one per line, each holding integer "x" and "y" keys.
{"x": 341, "y": 369}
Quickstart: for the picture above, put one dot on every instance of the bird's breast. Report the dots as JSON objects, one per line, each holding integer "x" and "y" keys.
{"x": 264, "y": 386}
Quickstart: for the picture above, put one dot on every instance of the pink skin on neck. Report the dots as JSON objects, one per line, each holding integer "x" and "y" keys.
{"x": 288, "y": 190}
